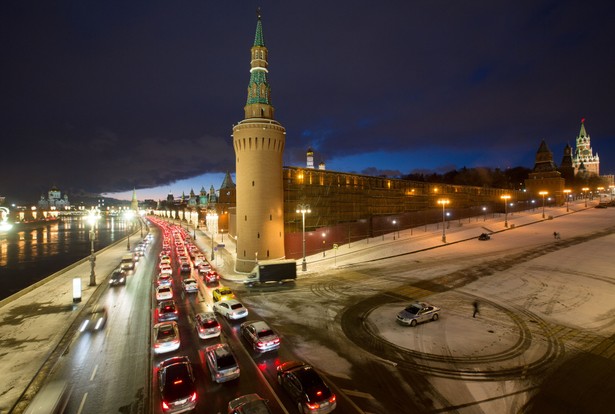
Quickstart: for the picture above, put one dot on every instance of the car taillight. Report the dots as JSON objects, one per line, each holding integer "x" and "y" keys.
{"x": 332, "y": 399}
{"x": 313, "y": 406}
{"x": 193, "y": 397}
{"x": 276, "y": 341}
{"x": 165, "y": 406}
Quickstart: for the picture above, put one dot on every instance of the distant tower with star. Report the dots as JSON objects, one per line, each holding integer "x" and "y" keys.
{"x": 583, "y": 154}
{"x": 259, "y": 145}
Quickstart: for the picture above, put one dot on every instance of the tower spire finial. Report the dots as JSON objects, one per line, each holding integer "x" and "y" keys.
{"x": 258, "y": 12}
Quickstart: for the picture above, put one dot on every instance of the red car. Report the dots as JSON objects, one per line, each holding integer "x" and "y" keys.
{"x": 211, "y": 277}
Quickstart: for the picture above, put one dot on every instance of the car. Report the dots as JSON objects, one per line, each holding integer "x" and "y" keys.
{"x": 164, "y": 260}
{"x": 166, "y": 268}
{"x": 248, "y": 404}
{"x": 204, "y": 267}
{"x": 418, "y": 312}
{"x": 164, "y": 293}
{"x": 223, "y": 293}
{"x": 51, "y": 398}
{"x": 222, "y": 363}
{"x": 484, "y": 236}
{"x": 95, "y": 320}
{"x": 198, "y": 259}
{"x": 164, "y": 279}
{"x": 231, "y": 309}
{"x": 212, "y": 277}
{"x": 118, "y": 277}
{"x": 177, "y": 385}
{"x": 601, "y": 205}
{"x": 206, "y": 325}
{"x": 166, "y": 337}
{"x": 167, "y": 311}
{"x": 190, "y": 285}
{"x": 185, "y": 267}
{"x": 306, "y": 387}
{"x": 260, "y": 336}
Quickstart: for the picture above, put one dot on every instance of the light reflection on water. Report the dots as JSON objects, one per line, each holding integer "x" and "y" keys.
{"x": 30, "y": 255}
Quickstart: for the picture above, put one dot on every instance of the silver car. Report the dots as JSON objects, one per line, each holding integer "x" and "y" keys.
{"x": 166, "y": 337}
{"x": 248, "y": 404}
{"x": 206, "y": 325}
{"x": 231, "y": 309}
{"x": 418, "y": 312}
{"x": 260, "y": 336}
{"x": 221, "y": 363}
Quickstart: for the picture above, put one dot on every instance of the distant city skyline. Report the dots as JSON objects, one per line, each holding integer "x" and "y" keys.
{"x": 103, "y": 99}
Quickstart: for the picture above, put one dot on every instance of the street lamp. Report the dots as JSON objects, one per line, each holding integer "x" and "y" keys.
{"x": 567, "y": 192}
{"x": 128, "y": 220}
{"x": 212, "y": 224}
{"x": 394, "y": 223}
{"x": 505, "y": 197}
{"x": 92, "y": 218}
{"x": 222, "y": 234}
{"x": 543, "y": 194}
{"x": 323, "y": 244}
{"x": 444, "y": 202}
{"x": 484, "y": 213}
{"x": 303, "y": 208}
{"x": 585, "y": 189}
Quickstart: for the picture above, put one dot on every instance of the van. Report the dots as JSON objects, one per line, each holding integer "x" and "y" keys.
{"x": 52, "y": 398}
{"x": 127, "y": 262}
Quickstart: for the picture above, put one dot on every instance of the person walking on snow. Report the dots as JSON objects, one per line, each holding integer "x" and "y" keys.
{"x": 475, "y": 304}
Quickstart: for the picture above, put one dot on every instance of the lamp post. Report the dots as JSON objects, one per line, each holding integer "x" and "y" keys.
{"x": 505, "y": 197}
{"x": 92, "y": 218}
{"x": 212, "y": 223}
{"x": 585, "y": 189}
{"x": 222, "y": 234}
{"x": 394, "y": 227}
{"x": 323, "y": 244}
{"x": 567, "y": 192}
{"x": 128, "y": 220}
{"x": 543, "y": 194}
{"x": 484, "y": 213}
{"x": 444, "y": 202}
{"x": 303, "y": 208}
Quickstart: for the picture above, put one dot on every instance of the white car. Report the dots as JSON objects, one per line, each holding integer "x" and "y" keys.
{"x": 190, "y": 285}
{"x": 206, "y": 325}
{"x": 418, "y": 312}
{"x": 260, "y": 336}
{"x": 198, "y": 259}
{"x": 164, "y": 293}
{"x": 166, "y": 269}
{"x": 231, "y": 309}
{"x": 204, "y": 267}
{"x": 164, "y": 261}
{"x": 166, "y": 337}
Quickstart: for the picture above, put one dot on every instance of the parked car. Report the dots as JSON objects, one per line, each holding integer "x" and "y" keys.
{"x": 190, "y": 285}
{"x": 167, "y": 311}
{"x": 221, "y": 363}
{"x": 223, "y": 293}
{"x": 164, "y": 293}
{"x": 418, "y": 312}
{"x": 260, "y": 336}
{"x": 118, "y": 277}
{"x": 95, "y": 320}
{"x": 166, "y": 337}
{"x": 306, "y": 387}
{"x": 231, "y": 309}
{"x": 484, "y": 236}
{"x": 176, "y": 384}
{"x": 207, "y": 325}
{"x": 248, "y": 404}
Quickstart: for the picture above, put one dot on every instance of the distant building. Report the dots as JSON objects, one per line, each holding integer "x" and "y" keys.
{"x": 545, "y": 176}
{"x": 54, "y": 200}
{"x": 584, "y": 159}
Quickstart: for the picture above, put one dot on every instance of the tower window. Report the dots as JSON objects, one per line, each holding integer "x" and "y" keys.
{"x": 267, "y": 253}
{"x": 246, "y": 218}
{"x": 270, "y": 218}
{"x": 244, "y": 253}
{"x": 252, "y": 183}
{"x": 258, "y": 235}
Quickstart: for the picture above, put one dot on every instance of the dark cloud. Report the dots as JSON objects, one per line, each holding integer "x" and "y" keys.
{"x": 104, "y": 97}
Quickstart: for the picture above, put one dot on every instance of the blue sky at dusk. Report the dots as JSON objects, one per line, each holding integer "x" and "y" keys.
{"x": 104, "y": 97}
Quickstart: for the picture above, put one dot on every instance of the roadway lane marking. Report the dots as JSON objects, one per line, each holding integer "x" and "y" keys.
{"x": 94, "y": 372}
{"x": 82, "y": 403}
{"x": 358, "y": 394}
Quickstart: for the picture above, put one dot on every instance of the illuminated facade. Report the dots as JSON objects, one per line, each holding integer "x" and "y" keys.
{"x": 584, "y": 159}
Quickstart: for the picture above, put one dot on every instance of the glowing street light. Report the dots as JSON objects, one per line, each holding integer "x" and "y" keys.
{"x": 505, "y": 197}
{"x": 394, "y": 228}
{"x": 585, "y": 189}
{"x": 303, "y": 208}
{"x": 543, "y": 194}
{"x": 92, "y": 218}
{"x": 444, "y": 202}
{"x": 567, "y": 192}
{"x": 212, "y": 224}
{"x": 484, "y": 213}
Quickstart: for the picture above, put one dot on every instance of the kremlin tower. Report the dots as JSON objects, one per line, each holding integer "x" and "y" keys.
{"x": 259, "y": 145}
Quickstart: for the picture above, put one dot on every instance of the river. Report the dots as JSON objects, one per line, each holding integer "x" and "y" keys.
{"x": 28, "y": 256}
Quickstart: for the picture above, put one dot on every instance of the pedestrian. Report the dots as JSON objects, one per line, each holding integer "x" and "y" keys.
{"x": 475, "y": 304}
{"x": 555, "y": 235}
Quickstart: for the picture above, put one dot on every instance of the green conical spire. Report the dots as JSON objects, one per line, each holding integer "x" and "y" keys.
{"x": 259, "y": 40}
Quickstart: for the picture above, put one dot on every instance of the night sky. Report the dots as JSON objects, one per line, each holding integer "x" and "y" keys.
{"x": 107, "y": 96}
